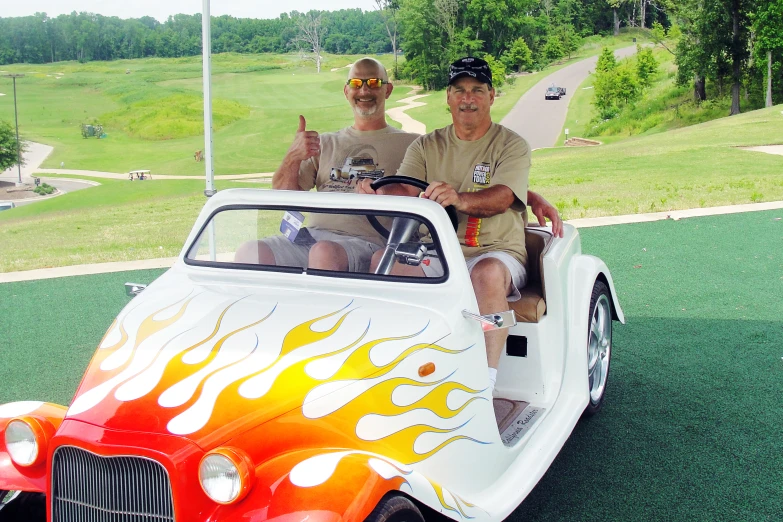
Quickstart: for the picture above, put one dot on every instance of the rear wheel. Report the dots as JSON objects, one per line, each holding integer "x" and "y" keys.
{"x": 599, "y": 346}
{"x": 395, "y": 508}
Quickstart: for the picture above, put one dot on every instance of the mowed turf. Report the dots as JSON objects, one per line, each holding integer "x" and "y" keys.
{"x": 691, "y": 426}
{"x": 152, "y": 110}
{"x": 692, "y": 167}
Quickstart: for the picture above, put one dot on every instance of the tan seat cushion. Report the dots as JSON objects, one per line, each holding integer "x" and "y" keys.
{"x": 531, "y": 307}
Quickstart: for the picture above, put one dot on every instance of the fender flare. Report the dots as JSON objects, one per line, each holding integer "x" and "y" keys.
{"x": 587, "y": 269}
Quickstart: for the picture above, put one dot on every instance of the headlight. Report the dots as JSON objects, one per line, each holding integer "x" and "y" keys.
{"x": 26, "y": 440}
{"x": 226, "y": 475}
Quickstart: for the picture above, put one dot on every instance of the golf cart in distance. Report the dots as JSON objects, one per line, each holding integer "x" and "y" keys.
{"x": 554, "y": 92}
{"x": 229, "y": 390}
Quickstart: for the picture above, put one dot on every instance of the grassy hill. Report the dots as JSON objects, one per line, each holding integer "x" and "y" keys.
{"x": 152, "y": 110}
{"x": 698, "y": 166}
{"x": 691, "y": 167}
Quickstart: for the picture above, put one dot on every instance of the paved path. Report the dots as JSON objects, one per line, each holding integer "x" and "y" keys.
{"x": 769, "y": 149}
{"x": 540, "y": 121}
{"x": 124, "y": 175}
{"x": 123, "y": 266}
{"x": 408, "y": 124}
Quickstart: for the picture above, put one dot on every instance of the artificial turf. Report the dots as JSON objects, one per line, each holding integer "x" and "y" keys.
{"x": 692, "y": 426}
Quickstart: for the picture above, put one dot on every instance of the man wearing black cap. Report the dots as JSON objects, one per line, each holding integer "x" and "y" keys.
{"x": 482, "y": 169}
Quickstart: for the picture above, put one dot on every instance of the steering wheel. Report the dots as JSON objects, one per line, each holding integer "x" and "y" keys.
{"x": 413, "y": 182}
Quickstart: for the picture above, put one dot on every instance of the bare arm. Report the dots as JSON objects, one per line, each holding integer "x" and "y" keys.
{"x": 484, "y": 203}
{"x": 306, "y": 145}
{"x": 542, "y": 209}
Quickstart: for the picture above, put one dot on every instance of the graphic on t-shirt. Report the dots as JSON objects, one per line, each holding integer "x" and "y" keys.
{"x": 481, "y": 174}
{"x": 356, "y": 168}
{"x": 472, "y": 231}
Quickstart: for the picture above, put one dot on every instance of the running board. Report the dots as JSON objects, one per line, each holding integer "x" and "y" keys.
{"x": 514, "y": 419}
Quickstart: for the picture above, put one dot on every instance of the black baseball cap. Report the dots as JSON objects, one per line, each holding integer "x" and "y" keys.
{"x": 473, "y": 67}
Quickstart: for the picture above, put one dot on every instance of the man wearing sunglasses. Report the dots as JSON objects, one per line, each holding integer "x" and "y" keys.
{"x": 482, "y": 169}
{"x": 335, "y": 162}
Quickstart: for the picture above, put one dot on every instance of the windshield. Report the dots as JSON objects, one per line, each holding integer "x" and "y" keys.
{"x": 320, "y": 242}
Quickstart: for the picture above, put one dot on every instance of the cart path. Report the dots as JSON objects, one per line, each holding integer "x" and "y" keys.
{"x": 540, "y": 121}
{"x": 398, "y": 113}
{"x": 146, "y": 264}
{"x": 265, "y": 176}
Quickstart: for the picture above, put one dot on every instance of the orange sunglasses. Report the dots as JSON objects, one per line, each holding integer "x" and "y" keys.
{"x": 372, "y": 83}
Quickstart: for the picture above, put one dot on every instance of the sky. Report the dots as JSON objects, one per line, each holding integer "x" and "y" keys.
{"x": 161, "y": 9}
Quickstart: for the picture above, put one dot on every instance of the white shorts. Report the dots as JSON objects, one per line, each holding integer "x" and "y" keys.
{"x": 515, "y": 268}
{"x": 359, "y": 251}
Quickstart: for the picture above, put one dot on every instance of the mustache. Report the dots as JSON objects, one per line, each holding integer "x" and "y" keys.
{"x": 468, "y": 106}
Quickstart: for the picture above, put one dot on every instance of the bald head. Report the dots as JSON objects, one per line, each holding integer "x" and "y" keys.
{"x": 368, "y": 68}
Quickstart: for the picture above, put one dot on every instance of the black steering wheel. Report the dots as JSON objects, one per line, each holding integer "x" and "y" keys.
{"x": 413, "y": 182}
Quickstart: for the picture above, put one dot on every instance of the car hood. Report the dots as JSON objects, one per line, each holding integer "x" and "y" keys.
{"x": 208, "y": 362}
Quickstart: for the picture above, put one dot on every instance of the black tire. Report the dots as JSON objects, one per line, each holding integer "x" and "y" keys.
{"x": 599, "y": 346}
{"x": 395, "y": 508}
{"x": 26, "y": 507}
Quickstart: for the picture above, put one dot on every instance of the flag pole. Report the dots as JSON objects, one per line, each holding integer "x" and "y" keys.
{"x": 206, "y": 55}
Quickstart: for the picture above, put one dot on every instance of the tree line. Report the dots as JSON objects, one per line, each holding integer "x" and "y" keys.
{"x": 86, "y": 36}
{"x": 721, "y": 46}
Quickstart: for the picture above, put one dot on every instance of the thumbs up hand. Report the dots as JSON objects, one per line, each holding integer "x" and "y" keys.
{"x": 306, "y": 143}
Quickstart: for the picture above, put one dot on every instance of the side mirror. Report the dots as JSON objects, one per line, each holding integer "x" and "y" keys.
{"x": 134, "y": 289}
{"x": 495, "y": 321}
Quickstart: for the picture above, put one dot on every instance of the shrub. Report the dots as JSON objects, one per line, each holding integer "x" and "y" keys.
{"x": 43, "y": 189}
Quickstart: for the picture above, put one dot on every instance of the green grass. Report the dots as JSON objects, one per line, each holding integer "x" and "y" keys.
{"x": 664, "y": 106}
{"x": 692, "y": 167}
{"x": 436, "y": 113}
{"x": 116, "y": 221}
{"x": 697, "y": 166}
{"x": 153, "y": 115}
{"x": 691, "y": 426}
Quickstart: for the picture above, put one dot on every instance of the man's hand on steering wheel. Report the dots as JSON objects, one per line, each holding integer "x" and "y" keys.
{"x": 443, "y": 194}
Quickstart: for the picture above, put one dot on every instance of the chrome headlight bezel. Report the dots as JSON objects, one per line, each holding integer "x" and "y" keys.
{"x": 26, "y": 440}
{"x": 226, "y": 475}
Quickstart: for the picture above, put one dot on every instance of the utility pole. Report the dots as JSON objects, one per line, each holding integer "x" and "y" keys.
{"x": 16, "y": 118}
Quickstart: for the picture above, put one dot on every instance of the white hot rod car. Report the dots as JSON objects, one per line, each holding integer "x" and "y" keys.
{"x": 229, "y": 390}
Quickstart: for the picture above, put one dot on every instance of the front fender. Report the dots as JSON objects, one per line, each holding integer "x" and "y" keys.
{"x": 13, "y": 477}
{"x": 337, "y": 486}
{"x": 326, "y": 487}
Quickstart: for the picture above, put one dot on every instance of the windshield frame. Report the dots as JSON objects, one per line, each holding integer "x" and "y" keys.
{"x": 224, "y": 265}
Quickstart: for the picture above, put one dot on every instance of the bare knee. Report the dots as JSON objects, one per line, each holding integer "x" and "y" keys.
{"x": 255, "y": 252}
{"x": 490, "y": 273}
{"x": 328, "y": 255}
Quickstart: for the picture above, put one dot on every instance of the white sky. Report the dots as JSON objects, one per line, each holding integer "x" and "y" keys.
{"x": 161, "y": 9}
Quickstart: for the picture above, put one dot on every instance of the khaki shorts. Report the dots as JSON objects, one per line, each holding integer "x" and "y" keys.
{"x": 287, "y": 253}
{"x": 515, "y": 268}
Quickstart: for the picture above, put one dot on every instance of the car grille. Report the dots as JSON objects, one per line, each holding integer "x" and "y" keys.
{"x": 87, "y": 487}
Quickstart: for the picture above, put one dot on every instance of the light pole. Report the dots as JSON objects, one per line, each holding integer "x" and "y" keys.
{"x": 16, "y": 119}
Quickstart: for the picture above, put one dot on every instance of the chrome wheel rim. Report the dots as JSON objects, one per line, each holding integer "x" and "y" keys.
{"x": 599, "y": 347}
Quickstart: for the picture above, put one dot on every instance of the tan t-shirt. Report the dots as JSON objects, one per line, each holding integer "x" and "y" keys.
{"x": 346, "y": 155}
{"x": 500, "y": 157}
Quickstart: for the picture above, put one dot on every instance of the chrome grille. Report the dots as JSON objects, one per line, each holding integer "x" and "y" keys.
{"x": 87, "y": 487}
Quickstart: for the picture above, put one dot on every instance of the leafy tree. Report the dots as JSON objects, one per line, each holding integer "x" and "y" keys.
{"x": 768, "y": 28}
{"x": 553, "y": 50}
{"x": 8, "y": 152}
{"x": 518, "y": 57}
{"x": 498, "y": 70}
{"x": 606, "y": 61}
{"x": 646, "y": 65}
